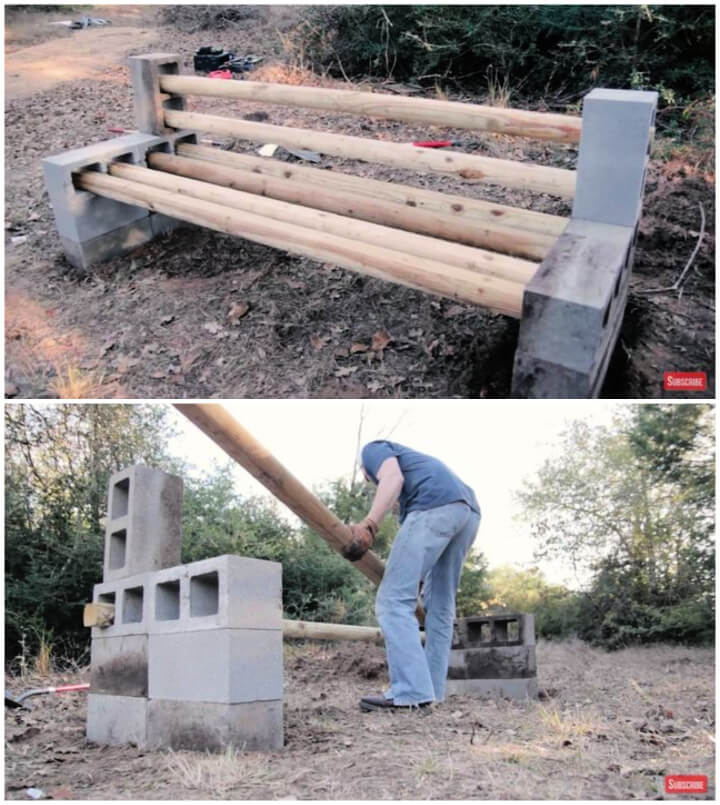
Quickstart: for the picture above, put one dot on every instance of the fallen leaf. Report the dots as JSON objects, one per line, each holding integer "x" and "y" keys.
{"x": 341, "y": 352}
{"x": 125, "y": 364}
{"x": 380, "y": 340}
{"x": 167, "y": 319}
{"x": 317, "y": 341}
{"x": 344, "y": 371}
{"x": 358, "y": 348}
{"x": 64, "y": 792}
{"x": 237, "y": 311}
{"x": 375, "y": 385}
{"x": 454, "y": 310}
{"x": 158, "y": 375}
{"x": 106, "y": 347}
{"x": 212, "y": 327}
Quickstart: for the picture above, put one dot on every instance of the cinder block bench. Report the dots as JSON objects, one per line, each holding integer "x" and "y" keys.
{"x": 565, "y": 279}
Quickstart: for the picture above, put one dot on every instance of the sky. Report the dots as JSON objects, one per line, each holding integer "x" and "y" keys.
{"x": 492, "y": 446}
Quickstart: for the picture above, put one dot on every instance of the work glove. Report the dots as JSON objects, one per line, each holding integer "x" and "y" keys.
{"x": 363, "y": 536}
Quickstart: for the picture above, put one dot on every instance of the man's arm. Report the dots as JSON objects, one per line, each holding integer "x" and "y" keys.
{"x": 390, "y": 483}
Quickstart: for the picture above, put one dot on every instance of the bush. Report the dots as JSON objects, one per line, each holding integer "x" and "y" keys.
{"x": 541, "y": 52}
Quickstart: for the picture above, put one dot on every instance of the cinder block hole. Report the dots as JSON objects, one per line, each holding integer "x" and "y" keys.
{"x": 204, "y": 594}
{"x": 500, "y": 631}
{"x": 120, "y": 499}
{"x": 606, "y": 316}
{"x": 191, "y": 139}
{"x": 162, "y": 148}
{"x": 513, "y": 630}
{"x": 128, "y": 159}
{"x": 176, "y": 102}
{"x": 167, "y": 601}
{"x": 118, "y": 548}
{"x": 132, "y": 611}
{"x": 479, "y": 632}
{"x": 107, "y": 598}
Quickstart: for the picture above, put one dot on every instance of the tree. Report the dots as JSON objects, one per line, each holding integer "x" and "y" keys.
{"x": 58, "y": 460}
{"x": 632, "y": 506}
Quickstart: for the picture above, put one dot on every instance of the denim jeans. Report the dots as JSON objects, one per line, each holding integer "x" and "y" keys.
{"x": 430, "y": 546}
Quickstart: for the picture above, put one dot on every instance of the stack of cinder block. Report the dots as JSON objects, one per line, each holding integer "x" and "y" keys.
{"x": 194, "y": 656}
{"x": 494, "y": 655}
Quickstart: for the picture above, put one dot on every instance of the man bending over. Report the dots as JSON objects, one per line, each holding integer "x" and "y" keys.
{"x": 439, "y": 517}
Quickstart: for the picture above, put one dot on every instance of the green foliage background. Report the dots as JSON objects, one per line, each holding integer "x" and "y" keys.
{"x": 556, "y": 53}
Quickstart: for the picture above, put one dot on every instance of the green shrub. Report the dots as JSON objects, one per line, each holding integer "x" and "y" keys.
{"x": 553, "y": 53}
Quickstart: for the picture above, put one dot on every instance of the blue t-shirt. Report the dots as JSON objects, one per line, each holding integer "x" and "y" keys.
{"x": 428, "y": 482}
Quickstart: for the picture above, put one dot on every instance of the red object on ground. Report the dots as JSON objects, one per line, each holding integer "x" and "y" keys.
{"x": 436, "y": 143}
{"x": 220, "y": 74}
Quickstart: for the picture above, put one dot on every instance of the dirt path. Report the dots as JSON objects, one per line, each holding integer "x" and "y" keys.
{"x": 610, "y": 726}
{"x": 156, "y": 324}
{"x": 86, "y": 56}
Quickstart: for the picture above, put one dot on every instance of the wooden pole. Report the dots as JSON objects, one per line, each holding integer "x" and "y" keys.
{"x": 103, "y": 615}
{"x": 456, "y": 207}
{"x": 504, "y": 172}
{"x": 426, "y": 275}
{"x": 458, "y": 234}
{"x": 214, "y": 421}
{"x": 508, "y": 268}
{"x": 448, "y": 114}
{"x": 310, "y": 630}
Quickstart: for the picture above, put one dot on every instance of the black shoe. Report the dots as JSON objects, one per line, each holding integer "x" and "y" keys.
{"x": 369, "y": 704}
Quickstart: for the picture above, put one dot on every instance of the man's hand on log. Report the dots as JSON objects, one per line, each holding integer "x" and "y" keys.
{"x": 363, "y": 536}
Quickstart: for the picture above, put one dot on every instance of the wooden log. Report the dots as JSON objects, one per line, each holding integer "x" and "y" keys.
{"x": 310, "y": 630}
{"x": 484, "y": 262}
{"x": 456, "y": 283}
{"x": 448, "y": 114}
{"x": 457, "y": 234}
{"x": 215, "y": 422}
{"x": 456, "y": 207}
{"x": 98, "y": 614}
{"x": 504, "y": 172}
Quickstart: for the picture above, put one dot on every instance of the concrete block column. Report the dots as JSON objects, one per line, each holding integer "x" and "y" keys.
{"x": 216, "y": 656}
{"x": 150, "y": 103}
{"x": 574, "y": 305}
{"x": 494, "y": 655}
{"x": 144, "y": 523}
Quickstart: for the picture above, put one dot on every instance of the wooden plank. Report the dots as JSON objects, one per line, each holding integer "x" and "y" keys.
{"x": 456, "y": 283}
{"x": 443, "y": 251}
{"x": 453, "y": 231}
{"x": 504, "y": 172}
{"x": 448, "y": 114}
{"x": 446, "y": 204}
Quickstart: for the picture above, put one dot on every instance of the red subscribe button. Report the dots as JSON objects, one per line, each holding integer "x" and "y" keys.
{"x": 686, "y": 784}
{"x": 685, "y": 381}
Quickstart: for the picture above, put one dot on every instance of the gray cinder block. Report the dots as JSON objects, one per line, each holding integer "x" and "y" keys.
{"x": 508, "y": 688}
{"x": 499, "y": 662}
{"x": 130, "y": 596}
{"x": 572, "y": 312}
{"x": 617, "y": 132}
{"x": 149, "y": 102}
{"x": 223, "y": 592}
{"x": 93, "y": 228}
{"x": 144, "y": 526}
{"x": 217, "y": 665}
{"x": 116, "y": 720}
{"x": 119, "y": 665}
{"x": 212, "y": 726}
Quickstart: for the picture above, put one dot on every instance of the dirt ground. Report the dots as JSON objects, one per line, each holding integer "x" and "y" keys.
{"x": 607, "y": 726}
{"x": 156, "y": 324}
